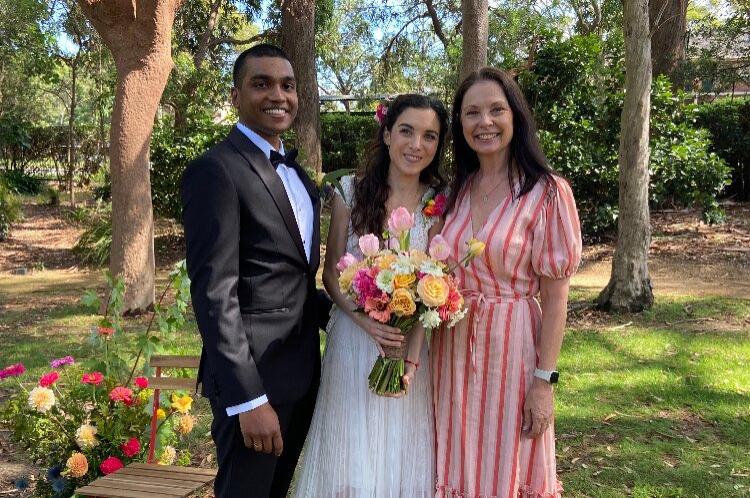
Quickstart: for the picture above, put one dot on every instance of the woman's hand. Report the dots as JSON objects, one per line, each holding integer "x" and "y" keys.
{"x": 382, "y": 334}
{"x": 538, "y": 409}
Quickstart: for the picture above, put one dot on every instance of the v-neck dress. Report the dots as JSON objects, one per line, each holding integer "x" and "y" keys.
{"x": 483, "y": 368}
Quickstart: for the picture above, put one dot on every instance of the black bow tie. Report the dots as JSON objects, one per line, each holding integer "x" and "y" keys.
{"x": 287, "y": 158}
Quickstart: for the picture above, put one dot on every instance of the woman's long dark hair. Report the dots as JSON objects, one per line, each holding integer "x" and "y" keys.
{"x": 527, "y": 158}
{"x": 371, "y": 188}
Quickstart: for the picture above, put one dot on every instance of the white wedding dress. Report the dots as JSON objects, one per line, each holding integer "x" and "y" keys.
{"x": 361, "y": 445}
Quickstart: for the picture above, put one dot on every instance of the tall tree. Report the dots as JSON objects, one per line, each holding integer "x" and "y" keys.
{"x": 138, "y": 33}
{"x": 475, "y": 32}
{"x": 297, "y": 38}
{"x": 629, "y": 287}
{"x": 668, "y": 20}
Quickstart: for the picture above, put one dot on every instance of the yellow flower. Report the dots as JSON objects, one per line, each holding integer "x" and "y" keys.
{"x": 385, "y": 261}
{"x": 144, "y": 395}
{"x": 185, "y": 424}
{"x": 404, "y": 281}
{"x": 161, "y": 414}
{"x": 345, "y": 279}
{"x": 168, "y": 456}
{"x": 418, "y": 257}
{"x": 476, "y": 247}
{"x": 41, "y": 399}
{"x": 402, "y": 304}
{"x": 433, "y": 290}
{"x": 182, "y": 403}
{"x": 77, "y": 465}
{"x": 86, "y": 436}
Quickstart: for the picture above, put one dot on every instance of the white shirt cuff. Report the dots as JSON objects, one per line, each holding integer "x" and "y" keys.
{"x": 247, "y": 406}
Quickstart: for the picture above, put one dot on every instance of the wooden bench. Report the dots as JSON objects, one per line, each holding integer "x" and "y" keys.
{"x": 151, "y": 480}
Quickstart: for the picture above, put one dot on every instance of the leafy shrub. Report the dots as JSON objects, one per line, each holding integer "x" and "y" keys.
{"x": 728, "y": 121}
{"x": 21, "y": 183}
{"x": 344, "y": 138}
{"x": 10, "y": 209}
{"x": 95, "y": 243}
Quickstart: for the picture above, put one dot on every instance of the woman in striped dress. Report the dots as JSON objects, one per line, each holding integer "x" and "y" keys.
{"x": 493, "y": 373}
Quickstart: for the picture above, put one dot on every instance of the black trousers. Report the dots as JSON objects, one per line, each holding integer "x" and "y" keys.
{"x": 245, "y": 473}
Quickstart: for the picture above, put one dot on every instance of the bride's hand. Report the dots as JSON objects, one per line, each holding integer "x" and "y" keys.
{"x": 382, "y": 334}
{"x": 410, "y": 371}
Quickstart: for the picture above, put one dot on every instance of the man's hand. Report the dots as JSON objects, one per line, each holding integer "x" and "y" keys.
{"x": 261, "y": 431}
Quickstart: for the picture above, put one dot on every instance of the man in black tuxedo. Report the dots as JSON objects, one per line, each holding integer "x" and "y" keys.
{"x": 252, "y": 229}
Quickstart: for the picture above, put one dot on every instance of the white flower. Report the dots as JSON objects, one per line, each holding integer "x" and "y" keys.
{"x": 86, "y": 436}
{"x": 457, "y": 317}
{"x": 430, "y": 319}
{"x": 384, "y": 281}
{"x": 403, "y": 265}
{"x": 41, "y": 399}
{"x": 168, "y": 456}
{"x": 432, "y": 267}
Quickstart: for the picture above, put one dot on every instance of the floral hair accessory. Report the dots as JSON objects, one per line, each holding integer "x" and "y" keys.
{"x": 435, "y": 206}
{"x": 380, "y": 113}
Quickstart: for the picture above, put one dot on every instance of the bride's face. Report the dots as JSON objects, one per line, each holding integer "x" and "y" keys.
{"x": 413, "y": 140}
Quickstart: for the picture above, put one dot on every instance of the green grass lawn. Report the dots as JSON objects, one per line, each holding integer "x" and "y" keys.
{"x": 649, "y": 405}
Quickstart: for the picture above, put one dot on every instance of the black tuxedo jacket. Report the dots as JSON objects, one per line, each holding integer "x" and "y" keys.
{"x": 253, "y": 289}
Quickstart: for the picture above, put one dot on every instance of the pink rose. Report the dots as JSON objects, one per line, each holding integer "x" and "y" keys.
{"x": 400, "y": 222}
{"x": 439, "y": 248}
{"x": 111, "y": 464}
{"x": 49, "y": 379}
{"x": 369, "y": 245}
{"x": 141, "y": 382}
{"x": 345, "y": 262}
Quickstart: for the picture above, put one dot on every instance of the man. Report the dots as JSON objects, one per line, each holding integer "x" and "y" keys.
{"x": 252, "y": 219}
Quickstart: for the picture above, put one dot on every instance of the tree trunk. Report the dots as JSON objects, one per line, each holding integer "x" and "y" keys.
{"x": 297, "y": 39}
{"x": 629, "y": 287}
{"x": 475, "y": 32}
{"x": 138, "y": 33}
{"x": 71, "y": 131}
{"x": 668, "y": 27}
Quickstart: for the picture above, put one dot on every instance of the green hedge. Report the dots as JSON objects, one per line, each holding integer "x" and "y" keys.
{"x": 344, "y": 139}
{"x": 728, "y": 121}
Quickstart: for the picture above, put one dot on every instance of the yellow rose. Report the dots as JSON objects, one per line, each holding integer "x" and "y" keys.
{"x": 385, "y": 261}
{"x": 476, "y": 247}
{"x": 182, "y": 403}
{"x": 185, "y": 424}
{"x": 77, "y": 465}
{"x": 433, "y": 290}
{"x": 403, "y": 281}
{"x": 161, "y": 414}
{"x": 417, "y": 257}
{"x": 402, "y": 304}
{"x": 345, "y": 279}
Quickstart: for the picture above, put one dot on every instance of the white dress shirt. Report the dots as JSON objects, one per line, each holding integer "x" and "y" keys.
{"x": 303, "y": 214}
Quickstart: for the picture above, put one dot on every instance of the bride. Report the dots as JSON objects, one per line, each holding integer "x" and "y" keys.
{"x": 361, "y": 445}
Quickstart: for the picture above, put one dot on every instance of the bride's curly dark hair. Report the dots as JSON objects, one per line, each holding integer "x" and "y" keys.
{"x": 371, "y": 181}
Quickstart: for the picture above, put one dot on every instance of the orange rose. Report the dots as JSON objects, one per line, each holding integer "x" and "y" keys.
{"x": 402, "y": 304}
{"x": 384, "y": 262}
{"x": 404, "y": 281}
{"x": 433, "y": 290}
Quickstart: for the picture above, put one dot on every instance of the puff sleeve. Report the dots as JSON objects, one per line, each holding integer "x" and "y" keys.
{"x": 556, "y": 248}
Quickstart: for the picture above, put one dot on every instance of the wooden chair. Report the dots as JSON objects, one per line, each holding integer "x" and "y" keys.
{"x": 151, "y": 480}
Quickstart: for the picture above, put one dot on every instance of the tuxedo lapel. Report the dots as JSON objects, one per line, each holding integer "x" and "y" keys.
{"x": 265, "y": 170}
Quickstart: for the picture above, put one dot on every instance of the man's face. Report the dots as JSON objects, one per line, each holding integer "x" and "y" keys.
{"x": 266, "y": 99}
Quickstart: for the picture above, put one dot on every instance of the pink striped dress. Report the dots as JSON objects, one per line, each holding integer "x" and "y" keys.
{"x": 483, "y": 368}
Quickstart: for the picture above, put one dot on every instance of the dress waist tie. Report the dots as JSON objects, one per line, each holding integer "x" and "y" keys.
{"x": 481, "y": 302}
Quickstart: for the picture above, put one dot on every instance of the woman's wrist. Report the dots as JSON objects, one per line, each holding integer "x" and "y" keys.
{"x": 410, "y": 362}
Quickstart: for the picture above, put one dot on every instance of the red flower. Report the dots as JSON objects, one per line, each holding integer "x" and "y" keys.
{"x": 111, "y": 464}
{"x": 93, "y": 378}
{"x": 123, "y": 394}
{"x": 131, "y": 448}
{"x": 105, "y": 332}
{"x": 141, "y": 382}
{"x": 12, "y": 371}
{"x": 436, "y": 206}
{"x": 48, "y": 379}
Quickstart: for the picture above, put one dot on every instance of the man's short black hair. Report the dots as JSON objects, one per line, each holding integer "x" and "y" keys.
{"x": 260, "y": 50}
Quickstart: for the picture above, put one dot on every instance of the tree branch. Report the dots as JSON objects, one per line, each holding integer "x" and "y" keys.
{"x": 235, "y": 41}
{"x": 436, "y": 23}
{"x": 389, "y": 47}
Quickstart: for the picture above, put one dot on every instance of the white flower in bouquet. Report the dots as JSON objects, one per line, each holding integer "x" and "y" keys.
{"x": 430, "y": 319}
{"x": 403, "y": 265}
{"x": 384, "y": 281}
{"x": 457, "y": 317}
{"x": 42, "y": 399}
{"x": 431, "y": 267}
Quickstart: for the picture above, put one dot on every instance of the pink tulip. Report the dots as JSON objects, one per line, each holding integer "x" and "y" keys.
{"x": 439, "y": 248}
{"x": 345, "y": 262}
{"x": 400, "y": 222}
{"x": 369, "y": 245}
{"x": 393, "y": 244}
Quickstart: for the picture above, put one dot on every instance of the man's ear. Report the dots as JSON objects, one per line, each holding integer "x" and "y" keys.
{"x": 233, "y": 94}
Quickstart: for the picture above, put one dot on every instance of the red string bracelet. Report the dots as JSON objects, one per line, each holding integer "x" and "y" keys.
{"x": 416, "y": 365}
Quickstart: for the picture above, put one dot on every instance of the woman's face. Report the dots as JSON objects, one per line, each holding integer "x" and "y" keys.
{"x": 413, "y": 140}
{"x": 486, "y": 118}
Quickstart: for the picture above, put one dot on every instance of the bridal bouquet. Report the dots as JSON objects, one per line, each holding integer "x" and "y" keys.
{"x": 401, "y": 286}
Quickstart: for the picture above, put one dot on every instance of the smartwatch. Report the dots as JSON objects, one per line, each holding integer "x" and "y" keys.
{"x": 550, "y": 376}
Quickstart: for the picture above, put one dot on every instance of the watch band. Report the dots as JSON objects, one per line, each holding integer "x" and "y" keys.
{"x": 550, "y": 376}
